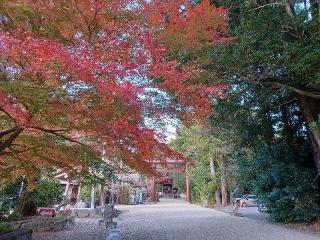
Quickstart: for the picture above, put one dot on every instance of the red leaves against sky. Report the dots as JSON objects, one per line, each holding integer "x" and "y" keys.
{"x": 109, "y": 48}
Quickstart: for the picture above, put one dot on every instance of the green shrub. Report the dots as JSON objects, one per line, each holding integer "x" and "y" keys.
{"x": 5, "y": 227}
{"x": 85, "y": 193}
{"x": 203, "y": 186}
{"x": 276, "y": 175}
{"x": 47, "y": 193}
{"x": 9, "y": 195}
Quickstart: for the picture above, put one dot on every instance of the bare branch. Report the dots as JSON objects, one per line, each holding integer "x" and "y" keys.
{"x": 56, "y": 133}
{"x": 266, "y": 5}
{"x": 8, "y": 131}
{"x": 9, "y": 141}
{"x": 293, "y": 89}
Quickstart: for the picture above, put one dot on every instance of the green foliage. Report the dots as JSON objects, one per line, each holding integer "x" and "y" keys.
{"x": 315, "y": 124}
{"x": 5, "y": 227}
{"x": 283, "y": 184}
{"x": 9, "y": 195}
{"x": 203, "y": 185}
{"x": 201, "y": 144}
{"x": 180, "y": 182}
{"x": 86, "y": 192}
{"x": 47, "y": 193}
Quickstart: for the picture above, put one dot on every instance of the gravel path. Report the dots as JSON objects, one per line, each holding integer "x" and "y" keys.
{"x": 174, "y": 219}
{"x": 84, "y": 229}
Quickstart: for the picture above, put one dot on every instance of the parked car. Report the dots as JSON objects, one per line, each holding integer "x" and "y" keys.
{"x": 237, "y": 198}
{"x": 249, "y": 201}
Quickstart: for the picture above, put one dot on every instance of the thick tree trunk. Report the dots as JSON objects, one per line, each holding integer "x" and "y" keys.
{"x": 315, "y": 9}
{"x": 287, "y": 129}
{"x": 214, "y": 177}
{"x": 311, "y": 110}
{"x": 101, "y": 195}
{"x": 224, "y": 192}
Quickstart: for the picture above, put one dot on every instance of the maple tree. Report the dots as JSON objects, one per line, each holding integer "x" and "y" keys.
{"x": 76, "y": 78}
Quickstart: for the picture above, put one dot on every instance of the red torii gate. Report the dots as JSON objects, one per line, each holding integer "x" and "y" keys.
{"x": 164, "y": 171}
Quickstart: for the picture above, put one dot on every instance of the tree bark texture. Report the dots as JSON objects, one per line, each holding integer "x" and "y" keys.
{"x": 224, "y": 192}
{"x": 214, "y": 177}
{"x": 311, "y": 110}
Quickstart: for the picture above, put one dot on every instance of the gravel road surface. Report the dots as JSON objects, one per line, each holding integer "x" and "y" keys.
{"x": 174, "y": 219}
{"x": 84, "y": 229}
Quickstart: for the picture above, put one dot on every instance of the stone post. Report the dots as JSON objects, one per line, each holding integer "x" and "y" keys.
{"x": 101, "y": 195}
{"x": 66, "y": 190}
{"x": 79, "y": 193}
{"x": 92, "y": 197}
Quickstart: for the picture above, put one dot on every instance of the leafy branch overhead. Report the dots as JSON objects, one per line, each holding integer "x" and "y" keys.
{"x": 77, "y": 76}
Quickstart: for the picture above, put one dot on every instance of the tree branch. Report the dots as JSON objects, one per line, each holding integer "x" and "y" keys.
{"x": 8, "y": 114}
{"x": 56, "y": 133}
{"x": 266, "y": 5}
{"x": 9, "y": 141}
{"x": 8, "y": 131}
{"x": 293, "y": 89}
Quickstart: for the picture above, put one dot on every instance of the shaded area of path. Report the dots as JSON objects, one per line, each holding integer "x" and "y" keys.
{"x": 174, "y": 219}
{"x": 248, "y": 212}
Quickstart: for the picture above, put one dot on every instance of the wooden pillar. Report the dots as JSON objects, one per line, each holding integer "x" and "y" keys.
{"x": 188, "y": 191}
{"x": 101, "y": 195}
{"x": 162, "y": 189}
{"x": 153, "y": 196}
{"x": 118, "y": 200}
{"x": 92, "y": 197}
{"x": 79, "y": 193}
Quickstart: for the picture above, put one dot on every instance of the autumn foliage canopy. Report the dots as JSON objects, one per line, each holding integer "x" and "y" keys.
{"x": 78, "y": 76}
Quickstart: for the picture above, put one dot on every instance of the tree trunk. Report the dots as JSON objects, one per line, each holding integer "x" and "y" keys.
{"x": 21, "y": 199}
{"x": 101, "y": 195}
{"x": 287, "y": 129}
{"x": 214, "y": 177}
{"x": 224, "y": 192}
{"x": 311, "y": 110}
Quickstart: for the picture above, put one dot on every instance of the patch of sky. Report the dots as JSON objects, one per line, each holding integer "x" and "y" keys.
{"x": 75, "y": 87}
{"x": 303, "y": 7}
{"x": 182, "y": 8}
{"x": 134, "y": 5}
{"x": 78, "y": 35}
{"x": 3, "y": 19}
{"x": 169, "y": 126}
{"x": 10, "y": 70}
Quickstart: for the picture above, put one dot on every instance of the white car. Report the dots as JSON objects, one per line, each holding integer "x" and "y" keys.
{"x": 249, "y": 201}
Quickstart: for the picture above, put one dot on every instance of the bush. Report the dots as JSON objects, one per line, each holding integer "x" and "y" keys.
{"x": 203, "y": 186}
{"x": 282, "y": 183}
{"x": 9, "y": 195}
{"x": 5, "y": 227}
{"x": 85, "y": 193}
{"x": 47, "y": 193}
